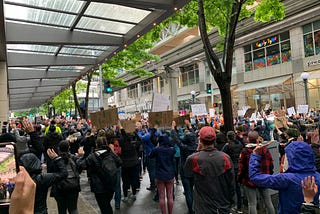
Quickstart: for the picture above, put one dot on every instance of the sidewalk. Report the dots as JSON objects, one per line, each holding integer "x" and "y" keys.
{"x": 143, "y": 204}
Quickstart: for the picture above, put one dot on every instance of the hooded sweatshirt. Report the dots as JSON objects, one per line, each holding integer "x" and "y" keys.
{"x": 301, "y": 164}
{"x": 164, "y": 159}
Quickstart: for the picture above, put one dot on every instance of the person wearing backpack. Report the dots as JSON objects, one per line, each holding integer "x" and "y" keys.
{"x": 66, "y": 192}
{"x": 102, "y": 166}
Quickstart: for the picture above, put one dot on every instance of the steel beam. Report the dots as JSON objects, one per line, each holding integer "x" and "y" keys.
{"x": 32, "y": 34}
{"x": 33, "y": 60}
{"x": 23, "y": 74}
{"x": 3, "y": 50}
{"x": 140, "y": 4}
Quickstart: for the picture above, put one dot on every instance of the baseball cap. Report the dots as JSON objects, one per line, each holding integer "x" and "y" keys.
{"x": 207, "y": 133}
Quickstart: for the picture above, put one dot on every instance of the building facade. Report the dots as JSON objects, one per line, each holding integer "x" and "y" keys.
{"x": 268, "y": 61}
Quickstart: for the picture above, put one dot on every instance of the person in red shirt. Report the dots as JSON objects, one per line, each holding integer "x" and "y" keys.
{"x": 266, "y": 167}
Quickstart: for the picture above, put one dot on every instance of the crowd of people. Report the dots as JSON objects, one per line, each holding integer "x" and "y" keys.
{"x": 221, "y": 172}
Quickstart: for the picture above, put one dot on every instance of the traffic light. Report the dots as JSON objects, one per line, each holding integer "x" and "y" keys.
{"x": 209, "y": 91}
{"x": 107, "y": 87}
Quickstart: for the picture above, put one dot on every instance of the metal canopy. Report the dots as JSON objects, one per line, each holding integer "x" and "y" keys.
{"x": 48, "y": 45}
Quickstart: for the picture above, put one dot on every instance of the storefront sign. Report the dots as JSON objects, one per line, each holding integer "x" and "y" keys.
{"x": 313, "y": 63}
{"x": 267, "y": 41}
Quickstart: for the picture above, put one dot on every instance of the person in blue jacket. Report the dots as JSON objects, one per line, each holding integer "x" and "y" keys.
{"x": 301, "y": 164}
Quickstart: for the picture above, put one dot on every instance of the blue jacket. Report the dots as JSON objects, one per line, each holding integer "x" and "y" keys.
{"x": 301, "y": 164}
{"x": 146, "y": 139}
{"x": 164, "y": 159}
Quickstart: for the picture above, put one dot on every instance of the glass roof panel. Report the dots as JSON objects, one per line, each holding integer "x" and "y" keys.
{"x": 66, "y": 68}
{"x": 100, "y": 48}
{"x": 76, "y": 51}
{"x": 103, "y": 25}
{"x": 69, "y": 5}
{"x": 36, "y": 15}
{"x": 33, "y": 48}
{"x": 112, "y": 11}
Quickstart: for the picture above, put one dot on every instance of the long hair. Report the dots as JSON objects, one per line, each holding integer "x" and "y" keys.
{"x": 64, "y": 150}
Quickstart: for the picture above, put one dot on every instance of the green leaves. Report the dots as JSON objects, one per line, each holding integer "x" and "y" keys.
{"x": 269, "y": 10}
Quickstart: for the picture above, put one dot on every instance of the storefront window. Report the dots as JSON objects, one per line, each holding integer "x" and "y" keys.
{"x": 311, "y": 39}
{"x": 267, "y": 52}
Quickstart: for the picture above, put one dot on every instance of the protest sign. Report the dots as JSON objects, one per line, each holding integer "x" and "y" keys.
{"x": 160, "y": 102}
{"x": 291, "y": 111}
{"x": 161, "y": 119}
{"x": 303, "y": 109}
{"x": 102, "y": 119}
{"x": 199, "y": 109}
{"x": 212, "y": 112}
{"x": 128, "y": 125}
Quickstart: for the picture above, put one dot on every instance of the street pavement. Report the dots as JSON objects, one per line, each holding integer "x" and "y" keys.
{"x": 142, "y": 205}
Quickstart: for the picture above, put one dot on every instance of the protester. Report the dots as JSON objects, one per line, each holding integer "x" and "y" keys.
{"x": 301, "y": 163}
{"x": 165, "y": 172}
{"x": 103, "y": 191}
{"x": 266, "y": 166}
{"x": 66, "y": 192}
{"x": 43, "y": 180}
{"x": 214, "y": 186}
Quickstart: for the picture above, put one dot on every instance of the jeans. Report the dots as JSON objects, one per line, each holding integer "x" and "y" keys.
{"x": 151, "y": 166}
{"x": 117, "y": 193}
{"x": 103, "y": 200}
{"x": 188, "y": 183}
{"x": 252, "y": 199}
{"x": 67, "y": 202}
{"x": 165, "y": 188}
{"x": 238, "y": 190}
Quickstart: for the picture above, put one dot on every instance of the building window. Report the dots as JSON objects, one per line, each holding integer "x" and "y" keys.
{"x": 147, "y": 87}
{"x": 189, "y": 75}
{"x": 267, "y": 52}
{"x": 160, "y": 81}
{"x": 311, "y": 39}
{"x": 133, "y": 91}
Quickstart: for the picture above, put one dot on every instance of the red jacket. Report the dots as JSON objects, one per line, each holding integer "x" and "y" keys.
{"x": 266, "y": 166}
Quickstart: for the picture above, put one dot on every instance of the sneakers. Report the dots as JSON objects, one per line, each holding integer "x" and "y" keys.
{"x": 133, "y": 197}
{"x": 125, "y": 199}
{"x": 151, "y": 189}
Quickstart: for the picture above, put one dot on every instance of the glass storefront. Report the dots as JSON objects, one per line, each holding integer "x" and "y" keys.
{"x": 267, "y": 52}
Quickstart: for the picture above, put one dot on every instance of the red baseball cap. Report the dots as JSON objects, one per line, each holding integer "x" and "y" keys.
{"x": 207, "y": 133}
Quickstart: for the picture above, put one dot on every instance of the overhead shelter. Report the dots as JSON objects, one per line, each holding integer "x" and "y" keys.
{"x": 47, "y": 45}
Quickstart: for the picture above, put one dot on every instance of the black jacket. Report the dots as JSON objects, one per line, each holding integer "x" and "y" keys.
{"x": 42, "y": 180}
{"x": 129, "y": 149}
{"x": 51, "y": 141}
{"x": 91, "y": 164}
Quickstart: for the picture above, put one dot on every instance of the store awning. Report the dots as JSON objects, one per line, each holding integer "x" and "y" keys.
{"x": 312, "y": 75}
{"x": 263, "y": 83}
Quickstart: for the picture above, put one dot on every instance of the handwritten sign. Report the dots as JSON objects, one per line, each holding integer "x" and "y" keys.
{"x": 302, "y": 109}
{"x": 160, "y": 102}
{"x": 291, "y": 111}
{"x": 199, "y": 109}
{"x": 161, "y": 119}
{"x": 128, "y": 125}
{"x": 212, "y": 112}
{"x": 102, "y": 119}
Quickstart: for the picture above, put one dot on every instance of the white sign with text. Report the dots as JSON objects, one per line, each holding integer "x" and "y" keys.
{"x": 199, "y": 109}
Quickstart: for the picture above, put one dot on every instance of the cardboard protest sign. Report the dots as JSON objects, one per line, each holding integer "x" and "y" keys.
{"x": 180, "y": 119}
{"x": 102, "y": 119}
{"x": 280, "y": 122}
{"x": 199, "y": 109}
{"x": 162, "y": 119}
{"x": 128, "y": 125}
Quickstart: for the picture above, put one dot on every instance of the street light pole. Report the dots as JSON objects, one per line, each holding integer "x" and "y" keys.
{"x": 193, "y": 94}
{"x": 304, "y": 76}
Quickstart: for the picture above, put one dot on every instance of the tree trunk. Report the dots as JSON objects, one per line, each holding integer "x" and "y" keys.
{"x": 76, "y": 101}
{"x": 226, "y": 99}
{"x": 86, "y": 110}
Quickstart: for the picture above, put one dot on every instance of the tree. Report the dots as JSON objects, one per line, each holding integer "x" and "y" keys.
{"x": 225, "y": 15}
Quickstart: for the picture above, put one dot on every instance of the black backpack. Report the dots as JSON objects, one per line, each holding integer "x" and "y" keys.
{"x": 107, "y": 169}
{"x": 72, "y": 182}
